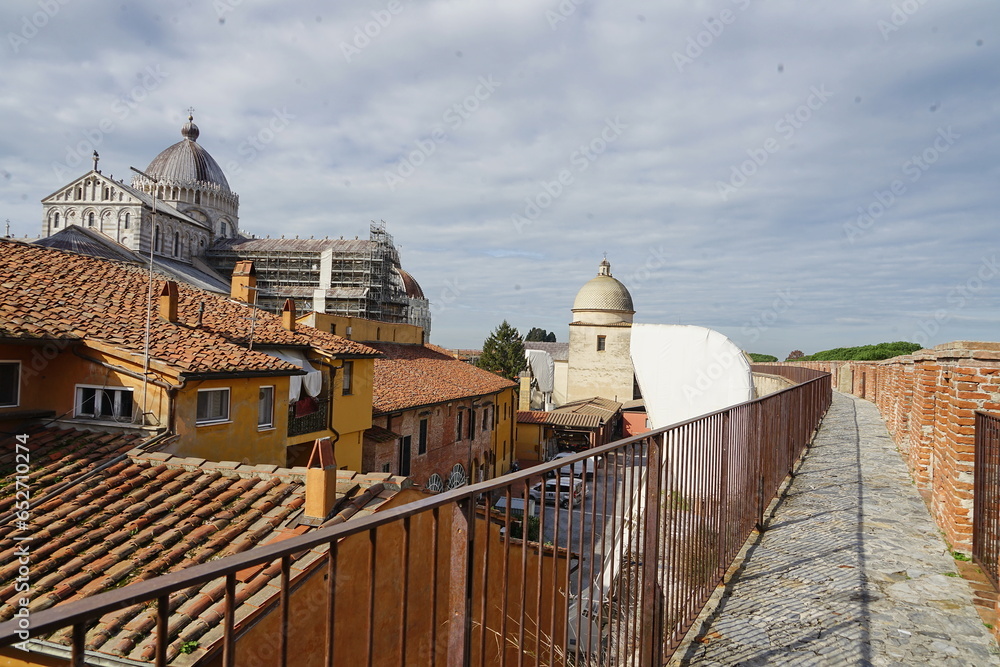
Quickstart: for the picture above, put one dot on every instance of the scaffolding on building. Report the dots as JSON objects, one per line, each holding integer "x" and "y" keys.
{"x": 359, "y": 278}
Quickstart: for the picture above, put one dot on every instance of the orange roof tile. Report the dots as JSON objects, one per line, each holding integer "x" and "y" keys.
{"x": 49, "y": 293}
{"x": 408, "y": 376}
{"x": 147, "y": 514}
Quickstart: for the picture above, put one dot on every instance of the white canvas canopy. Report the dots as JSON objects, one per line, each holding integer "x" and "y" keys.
{"x": 685, "y": 371}
{"x": 543, "y": 368}
{"x": 312, "y": 381}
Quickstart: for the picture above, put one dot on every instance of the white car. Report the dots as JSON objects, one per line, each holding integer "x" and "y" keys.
{"x": 565, "y": 491}
{"x": 516, "y": 506}
{"x": 584, "y": 468}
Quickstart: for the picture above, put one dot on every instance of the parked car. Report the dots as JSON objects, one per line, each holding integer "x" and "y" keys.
{"x": 516, "y": 506}
{"x": 566, "y": 491}
{"x": 584, "y": 468}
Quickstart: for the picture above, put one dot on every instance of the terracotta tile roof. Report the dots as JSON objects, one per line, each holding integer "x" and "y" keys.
{"x": 558, "y": 419}
{"x": 147, "y": 514}
{"x": 47, "y": 293}
{"x": 409, "y": 376}
{"x": 604, "y": 408}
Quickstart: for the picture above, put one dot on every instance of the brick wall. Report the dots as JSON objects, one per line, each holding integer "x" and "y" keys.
{"x": 928, "y": 400}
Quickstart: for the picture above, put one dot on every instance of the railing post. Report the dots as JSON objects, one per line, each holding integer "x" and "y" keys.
{"x": 724, "y": 491}
{"x": 652, "y": 623}
{"x": 459, "y": 593}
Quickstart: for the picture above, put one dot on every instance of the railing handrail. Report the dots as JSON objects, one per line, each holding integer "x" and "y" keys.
{"x": 76, "y": 611}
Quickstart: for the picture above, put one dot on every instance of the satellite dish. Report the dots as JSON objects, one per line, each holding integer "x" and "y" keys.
{"x": 457, "y": 476}
{"x": 435, "y": 484}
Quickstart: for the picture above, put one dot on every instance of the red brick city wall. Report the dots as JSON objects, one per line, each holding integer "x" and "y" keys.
{"x": 928, "y": 400}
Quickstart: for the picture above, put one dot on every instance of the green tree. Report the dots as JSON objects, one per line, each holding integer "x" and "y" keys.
{"x": 503, "y": 352}
{"x": 762, "y": 358}
{"x": 537, "y": 335}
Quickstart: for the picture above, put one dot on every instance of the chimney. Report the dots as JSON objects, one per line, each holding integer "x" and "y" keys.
{"x": 524, "y": 391}
{"x": 321, "y": 480}
{"x": 168, "y": 301}
{"x": 243, "y": 286}
{"x": 288, "y": 315}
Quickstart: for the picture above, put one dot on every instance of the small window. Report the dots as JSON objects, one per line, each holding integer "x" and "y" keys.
{"x": 348, "y": 377}
{"x": 213, "y": 406}
{"x": 486, "y": 420}
{"x": 90, "y": 220}
{"x": 458, "y": 429}
{"x": 55, "y": 220}
{"x": 333, "y": 329}
{"x": 385, "y": 467}
{"x": 422, "y": 438}
{"x": 472, "y": 425}
{"x": 265, "y": 407}
{"x": 601, "y": 343}
{"x": 128, "y": 219}
{"x": 10, "y": 384}
{"x": 105, "y": 403}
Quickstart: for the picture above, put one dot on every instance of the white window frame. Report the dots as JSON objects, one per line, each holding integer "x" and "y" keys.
{"x": 116, "y": 392}
{"x": 269, "y": 423}
{"x": 205, "y": 421}
{"x": 17, "y": 383}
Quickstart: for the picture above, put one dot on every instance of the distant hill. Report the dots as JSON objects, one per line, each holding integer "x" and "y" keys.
{"x": 863, "y": 352}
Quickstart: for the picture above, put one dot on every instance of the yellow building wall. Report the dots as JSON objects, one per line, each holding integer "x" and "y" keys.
{"x": 352, "y": 413}
{"x": 529, "y": 441}
{"x": 238, "y": 439}
{"x": 363, "y": 329}
{"x": 504, "y": 433}
{"x": 11, "y": 657}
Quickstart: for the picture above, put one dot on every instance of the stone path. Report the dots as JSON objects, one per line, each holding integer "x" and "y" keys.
{"x": 850, "y": 571}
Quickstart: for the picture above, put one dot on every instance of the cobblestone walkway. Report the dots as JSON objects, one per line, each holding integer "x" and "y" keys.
{"x": 850, "y": 571}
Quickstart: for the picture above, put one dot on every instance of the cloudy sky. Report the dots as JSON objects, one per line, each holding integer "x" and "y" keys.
{"x": 797, "y": 175}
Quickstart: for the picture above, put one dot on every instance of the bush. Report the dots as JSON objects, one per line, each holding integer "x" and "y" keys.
{"x": 864, "y": 352}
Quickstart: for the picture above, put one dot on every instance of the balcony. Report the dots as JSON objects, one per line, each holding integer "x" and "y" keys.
{"x": 619, "y": 578}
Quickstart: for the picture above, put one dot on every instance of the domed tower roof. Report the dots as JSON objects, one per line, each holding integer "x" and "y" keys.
{"x": 604, "y": 293}
{"x": 186, "y": 162}
{"x": 411, "y": 285}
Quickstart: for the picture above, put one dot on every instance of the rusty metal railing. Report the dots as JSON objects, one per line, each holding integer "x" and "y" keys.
{"x": 615, "y": 574}
{"x": 986, "y": 496}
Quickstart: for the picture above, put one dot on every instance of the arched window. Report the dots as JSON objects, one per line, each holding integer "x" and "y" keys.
{"x": 156, "y": 240}
{"x": 222, "y": 229}
{"x": 128, "y": 218}
{"x": 177, "y": 243}
{"x": 90, "y": 219}
{"x": 197, "y": 197}
{"x": 79, "y": 193}
{"x": 378, "y": 333}
{"x": 55, "y": 220}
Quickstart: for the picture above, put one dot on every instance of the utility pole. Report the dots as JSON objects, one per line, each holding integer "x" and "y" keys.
{"x": 149, "y": 290}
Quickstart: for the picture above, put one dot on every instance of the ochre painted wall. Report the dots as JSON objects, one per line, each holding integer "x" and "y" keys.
{"x": 51, "y": 372}
{"x": 238, "y": 439}
{"x": 364, "y": 330}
